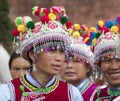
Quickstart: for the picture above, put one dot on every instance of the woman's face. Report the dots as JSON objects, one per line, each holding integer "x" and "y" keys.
{"x": 74, "y": 71}
{"x": 50, "y": 62}
{"x": 18, "y": 67}
{"x": 111, "y": 71}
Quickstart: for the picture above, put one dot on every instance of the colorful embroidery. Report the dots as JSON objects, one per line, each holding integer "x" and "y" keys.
{"x": 35, "y": 89}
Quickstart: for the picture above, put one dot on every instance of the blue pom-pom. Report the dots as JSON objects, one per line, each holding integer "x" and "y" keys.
{"x": 93, "y": 34}
{"x": 109, "y": 23}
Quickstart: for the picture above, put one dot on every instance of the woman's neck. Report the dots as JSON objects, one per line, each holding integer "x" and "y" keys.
{"x": 41, "y": 78}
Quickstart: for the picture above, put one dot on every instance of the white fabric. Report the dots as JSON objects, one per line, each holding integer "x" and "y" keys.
{"x": 4, "y": 68}
{"x": 5, "y": 92}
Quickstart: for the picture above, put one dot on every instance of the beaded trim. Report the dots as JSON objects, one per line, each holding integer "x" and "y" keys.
{"x": 36, "y": 89}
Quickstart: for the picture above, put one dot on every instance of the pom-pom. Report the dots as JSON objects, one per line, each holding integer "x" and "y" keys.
{"x": 77, "y": 26}
{"x": 109, "y": 23}
{"x": 68, "y": 24}
{"x": 18, "y": 21}
{"x": 100, "y": 24}
{"x": 97, "y": 35}
{"x": 92, "y": 35}
{"x": 55, "y": 10}
{"x": 76, "y": 34}
{"x": 62, "y": 11}
{"x": 117, "y": 20}
{"x": 44, "y": 19}
{"x": 15, "y": 32}
{"x": 30, "y": 25}
{"x": 63, "y": 20}
{"x": 92, "y": 29}
{"x": 36, "y": 11}
{"x": 26, "y": 19}
{"x": 114, "y": 29}
{"x": 84, "y": 28}
{"x": 44, "y": 11}
{"x": 104, "y": 30}
{"x": 21, "y": 28}
{"x": 52, "y": 16}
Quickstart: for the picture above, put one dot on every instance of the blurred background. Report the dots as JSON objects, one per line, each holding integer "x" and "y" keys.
{"x": 86, "y": 12}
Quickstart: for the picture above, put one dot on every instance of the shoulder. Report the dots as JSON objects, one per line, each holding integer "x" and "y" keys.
{"x": 4, "y": 92}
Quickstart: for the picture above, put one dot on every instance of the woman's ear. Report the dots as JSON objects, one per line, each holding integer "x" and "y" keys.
{"x": 31, "y": 56}
{"x": 88, "y": 69}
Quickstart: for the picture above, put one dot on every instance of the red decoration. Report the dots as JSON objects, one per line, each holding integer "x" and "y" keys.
{"x": 68, "y": 24}
{"x": 15, "y": 32}
{"x": 45, "y": 11}
{"x": 104, "y": 29}
{"x": 37, "y": 13}
{"x": 44, "y": 19}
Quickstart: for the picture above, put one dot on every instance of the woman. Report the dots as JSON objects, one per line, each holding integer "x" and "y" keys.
{"x": 107, "y": 58}
{"x": 44, "y": 45}
{"x": 78, "y": 69}
{"x": 18, "y": 65}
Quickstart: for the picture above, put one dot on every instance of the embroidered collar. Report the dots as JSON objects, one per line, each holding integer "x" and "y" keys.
{"x": 32, "y": 80}
{"x": 84, "y": 85}
{"x": 26, "y": 81}
{"x": 114, "y": 92}
{"x": 111, "y": 93}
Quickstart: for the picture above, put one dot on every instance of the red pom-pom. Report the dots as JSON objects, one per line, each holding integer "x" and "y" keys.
{"x": 44, "y": 19}
{"x": 68, "y": 24}
{"x": 15, "y": 32}
{"x": 37, "y": 13}
{"x": 45, "y": 11}
{"x": 38, "y": 9}
{"x": 104, "y": 30}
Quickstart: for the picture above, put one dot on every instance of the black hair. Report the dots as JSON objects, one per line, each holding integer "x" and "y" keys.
{"x": 13, "y": 56}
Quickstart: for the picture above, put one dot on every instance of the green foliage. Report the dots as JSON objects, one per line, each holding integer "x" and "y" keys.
{"x": 6, "y": 25}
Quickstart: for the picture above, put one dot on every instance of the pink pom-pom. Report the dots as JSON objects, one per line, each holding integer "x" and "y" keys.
{"x": 68, "y": 24}
{"x": 15, "y": 32}
{"x": 44, "y": 19}
{"x": 55, "y": 10}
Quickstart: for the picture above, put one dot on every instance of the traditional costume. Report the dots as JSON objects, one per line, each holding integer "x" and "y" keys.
{"x": 51, "y": 32}
{"x": 82, "y": 52}
{"x": 107, "y": 47}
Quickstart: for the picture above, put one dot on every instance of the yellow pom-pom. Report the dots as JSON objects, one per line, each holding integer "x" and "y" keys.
{"x": 92, "y": 29}
{"x": 76, "y": 34}
{"x": 94, "y": 41}
{"x": 70, "y": 31}
{"x": 101, "y": 23}
{"x": 77, "y": 26}
{"x": 52, "y": 16}
{"x": 114, "y": 29}
{"x": 21, "y": 28}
